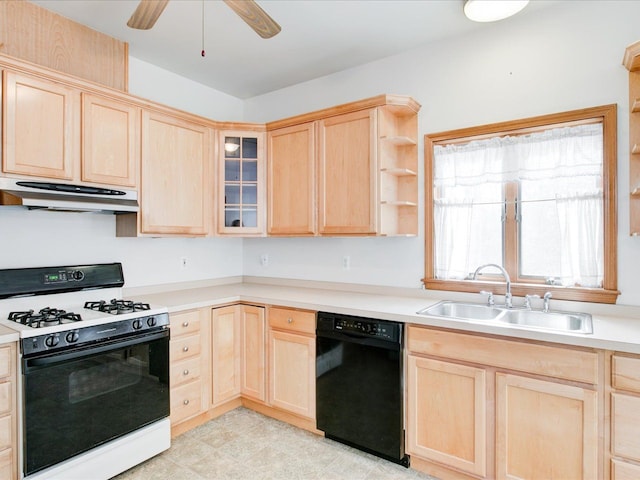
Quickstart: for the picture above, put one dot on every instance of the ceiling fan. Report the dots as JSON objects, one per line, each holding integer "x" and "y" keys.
{"x": 148, "y": 11}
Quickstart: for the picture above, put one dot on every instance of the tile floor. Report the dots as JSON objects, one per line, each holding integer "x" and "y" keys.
{"x": 245, "y": 445}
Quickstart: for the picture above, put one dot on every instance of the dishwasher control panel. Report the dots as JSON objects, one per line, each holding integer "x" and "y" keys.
{"x": 383, "y": 330}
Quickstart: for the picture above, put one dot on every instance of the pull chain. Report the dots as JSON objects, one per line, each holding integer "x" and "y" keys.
{"x": 202, "y": 52}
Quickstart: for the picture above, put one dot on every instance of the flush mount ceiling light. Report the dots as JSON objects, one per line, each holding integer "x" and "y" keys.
{"x": 231, "y": 147}
{"x": 492, "y": 10}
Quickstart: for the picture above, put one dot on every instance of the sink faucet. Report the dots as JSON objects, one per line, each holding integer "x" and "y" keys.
{"x": 507, "y": 295}
{"x": 547, "y": 299}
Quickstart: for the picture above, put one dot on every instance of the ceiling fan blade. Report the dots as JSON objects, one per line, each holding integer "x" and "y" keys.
{"x": 146, "y": 14}
{"x": 255, "y": 17}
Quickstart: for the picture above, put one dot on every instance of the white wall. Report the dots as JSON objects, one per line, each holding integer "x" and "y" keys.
{"x": 154, "y": 83}
{"x": 39, "y": 238}
{"x": 564, "y": 57}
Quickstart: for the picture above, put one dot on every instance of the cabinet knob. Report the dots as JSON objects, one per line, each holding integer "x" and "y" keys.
{"x": 185, "y": 324}
{"x": 185, "y": 349}
{"x": 186, "y": 372}
{"x": 289, "y": 320}
{"x": 185, "y": 402}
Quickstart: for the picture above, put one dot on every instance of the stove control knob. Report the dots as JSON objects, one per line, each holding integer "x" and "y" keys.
{"x": 137, "y": 324}
{"x": 152, "y": 322}
{"x": 77, "y": 275}
{"x": 52, "y": 341}
{"x": 72, "y": 337}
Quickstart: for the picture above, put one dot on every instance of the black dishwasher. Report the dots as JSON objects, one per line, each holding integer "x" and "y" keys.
{"x": 359, "y": 391}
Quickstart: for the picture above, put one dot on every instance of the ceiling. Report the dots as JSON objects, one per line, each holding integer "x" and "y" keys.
{"x": 318, "y": 37}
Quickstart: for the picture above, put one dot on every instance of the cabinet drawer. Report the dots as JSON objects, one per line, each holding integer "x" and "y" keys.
{"x": 5, "y": 432}
{"x": 185, "y": 371}
{"x": 625, "y": 417}
{"x": 186, "y": 401}
{"x": 624, "y": 471}
{"x": 292, "y": 320}
{"x": 626, "y": 373}
{"x": 184, "y": 347}
{"x": 5, "y": 397}
{"x": 6, "y": 464}
{"x": 184, "y": 323}
{"x": 5, "y": 361}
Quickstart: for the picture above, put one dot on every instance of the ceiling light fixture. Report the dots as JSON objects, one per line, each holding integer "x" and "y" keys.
{"x": 492, "y": 10}
{"x": 231, "y": 147}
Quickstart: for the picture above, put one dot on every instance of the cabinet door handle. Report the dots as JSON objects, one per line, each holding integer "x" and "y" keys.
{"x": 185, "y": 349}
{"x": 185, "y": 324}
{"x": 289, "y": 320}
{"x": 185, "y": 402}
{"x": 186, "y": 372}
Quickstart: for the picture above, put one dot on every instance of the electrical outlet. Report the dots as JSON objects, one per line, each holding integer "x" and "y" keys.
{"x": 346, "y": 262}
{"x": 264, "y": 259}
{"x": 183, "y": 263}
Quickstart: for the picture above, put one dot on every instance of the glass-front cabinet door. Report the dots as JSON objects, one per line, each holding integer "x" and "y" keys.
{"x": 242, "y": 195}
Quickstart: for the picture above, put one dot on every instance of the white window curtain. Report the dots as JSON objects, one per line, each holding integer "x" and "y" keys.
{"x": 562, "y": 166}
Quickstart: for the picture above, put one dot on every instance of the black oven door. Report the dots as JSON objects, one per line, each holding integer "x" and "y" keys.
{"x": 76, "y": 400}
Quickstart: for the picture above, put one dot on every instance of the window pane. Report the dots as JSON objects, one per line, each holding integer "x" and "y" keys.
{"x": 232, "y": 147}
{"x": 231, "y": 194}
{"x": 232, "y": 170}
{"x": 249, "y": 148}
{"x": 540, "y": 240}
{"x": 249, "y": 171}
{"x": 232, "y": 217}
{"x": 467, "y": 229}
{"x": 249, "y": 217}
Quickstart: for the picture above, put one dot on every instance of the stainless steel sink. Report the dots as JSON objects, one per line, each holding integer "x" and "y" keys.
{"x": 562, "y": 321}
{"x": 466, "y": 311}
{"x": 572, "y": 322}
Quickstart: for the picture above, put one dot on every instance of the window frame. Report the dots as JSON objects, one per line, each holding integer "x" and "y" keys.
{"x": 607, "y": 115}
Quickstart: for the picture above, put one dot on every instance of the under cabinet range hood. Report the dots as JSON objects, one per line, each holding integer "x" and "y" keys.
{"x": 66, "y": 197}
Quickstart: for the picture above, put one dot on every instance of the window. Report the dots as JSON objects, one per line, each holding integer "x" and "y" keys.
{"x": 536, "y": 196}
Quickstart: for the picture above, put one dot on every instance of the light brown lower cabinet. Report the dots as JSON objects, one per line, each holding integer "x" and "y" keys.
{"x": 488, "y": 407}
{"x": 446, "y": 408}
{"x": 253, "y": 350}
{"x": 545, "y": 429}
{"x": 8, "y": 419}
{"x": 188, "y": 367}
{"x": 625, "y": 417}
{"x": 292, "y": 361}
{"x": 238, "y": 345}
{"x": 225, "y": 354}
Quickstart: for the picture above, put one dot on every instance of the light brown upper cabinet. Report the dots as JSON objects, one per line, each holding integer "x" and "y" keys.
{"x": 175, "y": 187}
{"x": 292, "y": 180}
{"x": 110, "y": 141}
{"x": 345, "y": 170}
{"x": 241, "y": 187}
{"x": 347, "y": 174}
{"x": 41, "y": 126}
{"x": 54, "y": 131}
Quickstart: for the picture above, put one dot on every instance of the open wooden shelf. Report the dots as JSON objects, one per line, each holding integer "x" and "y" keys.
{"x": 399, "y": 140}
{"x": 631, "y": 61}
{"x": 398, "y": 167}
{"x": 399, "y": 172}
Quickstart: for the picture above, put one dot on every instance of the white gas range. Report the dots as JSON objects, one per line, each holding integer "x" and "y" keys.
{"x": 94, "y": 371}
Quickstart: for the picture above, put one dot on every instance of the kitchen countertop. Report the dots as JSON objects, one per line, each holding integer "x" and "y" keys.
{"x": 8, "y": 335}
{"x": 619, "y": 330}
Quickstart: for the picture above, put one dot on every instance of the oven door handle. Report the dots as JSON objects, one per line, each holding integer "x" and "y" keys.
{"x": 54, "y": 358}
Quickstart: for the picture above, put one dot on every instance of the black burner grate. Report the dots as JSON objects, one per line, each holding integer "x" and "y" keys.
{"x": 117, "y": 307}
{"x": 44, "y": 318}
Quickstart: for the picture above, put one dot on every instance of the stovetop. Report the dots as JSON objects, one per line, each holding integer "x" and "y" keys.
{"x": 33, "y": 316}
{"x": 42, "y": 301}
